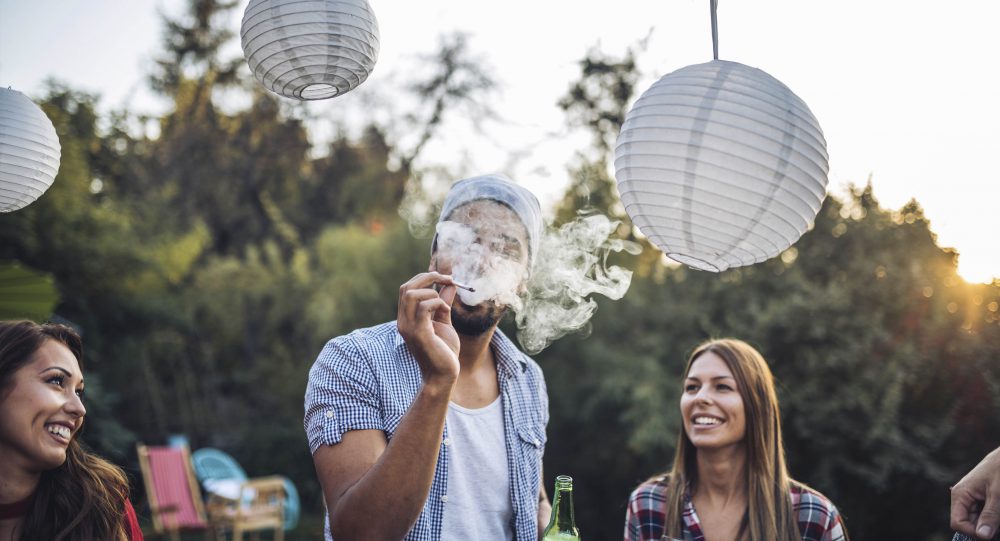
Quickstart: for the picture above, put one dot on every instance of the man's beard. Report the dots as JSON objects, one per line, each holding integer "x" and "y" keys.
{"x": 468, "y": 323}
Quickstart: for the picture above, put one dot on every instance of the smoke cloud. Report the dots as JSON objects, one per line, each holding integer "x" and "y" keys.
{"x": 571, "y": 265}
{"x": 555, "y": 299}
{"x": 493, "y": 273}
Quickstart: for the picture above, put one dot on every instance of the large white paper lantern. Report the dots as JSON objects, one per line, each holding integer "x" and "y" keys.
{"x": 720, "y": 165}
{"x": 29, "y": 151}
{"x": 310, "y": 49}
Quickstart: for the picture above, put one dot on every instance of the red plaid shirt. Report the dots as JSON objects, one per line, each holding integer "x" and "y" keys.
{"x": 817, "y": 516}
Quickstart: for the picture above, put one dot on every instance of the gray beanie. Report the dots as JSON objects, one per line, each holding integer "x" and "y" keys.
{"x": 501, "y": 189}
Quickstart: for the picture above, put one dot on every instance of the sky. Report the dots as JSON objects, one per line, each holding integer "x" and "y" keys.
{"x": 903, "y": 90}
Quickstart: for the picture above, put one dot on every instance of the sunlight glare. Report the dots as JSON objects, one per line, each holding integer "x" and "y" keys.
{"x": 977, "y": 270}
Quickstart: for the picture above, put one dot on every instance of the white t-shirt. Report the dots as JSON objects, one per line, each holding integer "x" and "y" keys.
{"x": 479, "y": 501}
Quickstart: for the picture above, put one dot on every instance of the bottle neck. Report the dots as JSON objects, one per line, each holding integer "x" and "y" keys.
{"x": 562, "y": 510}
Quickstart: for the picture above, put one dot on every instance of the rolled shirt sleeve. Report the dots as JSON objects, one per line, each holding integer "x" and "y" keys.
{"x": 341, "y": 395}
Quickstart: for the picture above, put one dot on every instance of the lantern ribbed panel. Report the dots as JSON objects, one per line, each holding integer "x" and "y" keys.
{"x": 720, "y": 165}
{"x": 29, "y": 151}
{"x": 310, "y": 49}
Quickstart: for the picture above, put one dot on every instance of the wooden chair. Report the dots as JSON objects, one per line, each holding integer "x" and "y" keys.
{"x": 259, "y": 507}
{"x": 172, "y": 491}
{"x": 214, "y": 467}
{"x": 175, "y": 499}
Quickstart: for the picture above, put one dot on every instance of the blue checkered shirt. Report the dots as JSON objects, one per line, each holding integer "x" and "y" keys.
{"x": 366, "y": 380}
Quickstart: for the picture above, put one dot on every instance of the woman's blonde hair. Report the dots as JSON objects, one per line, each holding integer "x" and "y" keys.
{"x": 769, "y": 506}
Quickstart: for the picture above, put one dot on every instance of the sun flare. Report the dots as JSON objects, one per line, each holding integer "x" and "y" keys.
{"x": 979, "y": 270}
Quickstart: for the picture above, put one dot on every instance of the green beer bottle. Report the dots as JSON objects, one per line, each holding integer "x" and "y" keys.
{"x": 562, "y": 525}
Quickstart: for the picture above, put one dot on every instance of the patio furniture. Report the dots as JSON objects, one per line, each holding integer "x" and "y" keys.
{"x": 175, "y": 499}
{"x": 172, "y": 491}
{"x": 219, "y": 472}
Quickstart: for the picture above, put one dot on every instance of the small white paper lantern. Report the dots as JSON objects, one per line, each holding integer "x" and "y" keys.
{"x": 310, "y": 49}
{"x": 29, "y": 151}
{"x": 720, "y": 165}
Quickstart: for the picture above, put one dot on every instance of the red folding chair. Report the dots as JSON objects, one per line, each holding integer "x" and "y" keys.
{"x": 172, "y": 490}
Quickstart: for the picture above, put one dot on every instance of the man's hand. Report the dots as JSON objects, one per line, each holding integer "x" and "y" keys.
{"x": 424, "y": 321}
{"x": 982, "y": 484}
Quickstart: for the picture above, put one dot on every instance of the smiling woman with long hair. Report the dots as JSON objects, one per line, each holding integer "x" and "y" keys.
{"x": 729, "y": 480}
{"x": 51, "y": 487}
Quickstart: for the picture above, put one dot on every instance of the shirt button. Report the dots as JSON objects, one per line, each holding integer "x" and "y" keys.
{"x": 447, "y": 441}
{"x": 444, "y": 499}
{"x": 329, "y": 414}
{"x": 537, "y": 443}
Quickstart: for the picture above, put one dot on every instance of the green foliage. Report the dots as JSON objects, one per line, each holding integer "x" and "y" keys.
{"x": 191, "y": 45}
{"x": 358, "y": 274}
{"x": 598, "y": 100}
{"x": 353, "y": 182}
{"x": 25, "y": 294}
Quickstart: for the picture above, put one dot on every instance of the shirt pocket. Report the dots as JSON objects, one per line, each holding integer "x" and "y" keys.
{"x": 531, "y": 444}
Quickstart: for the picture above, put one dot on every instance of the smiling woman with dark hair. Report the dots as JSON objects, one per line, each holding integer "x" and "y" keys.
{"x": 729, "y": 480}
{"x": 51, "y": 488}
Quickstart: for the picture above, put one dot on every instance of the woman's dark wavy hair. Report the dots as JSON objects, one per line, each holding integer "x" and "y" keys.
{"x": 84, "y": 498}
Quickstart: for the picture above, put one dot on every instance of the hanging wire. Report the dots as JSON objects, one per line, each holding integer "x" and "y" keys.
{"x": 715, "y": 29}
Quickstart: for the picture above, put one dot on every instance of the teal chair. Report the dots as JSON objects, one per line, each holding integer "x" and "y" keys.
{"x": 214, "y": 464}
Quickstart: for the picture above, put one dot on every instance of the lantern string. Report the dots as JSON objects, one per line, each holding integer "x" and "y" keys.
{"x": 715, "y": 29}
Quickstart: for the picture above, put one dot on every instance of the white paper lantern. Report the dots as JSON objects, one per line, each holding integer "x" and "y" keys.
{"x": 310, "y": 49}
{"x": 29, "y": 151}
{"x": 720, "y": 165}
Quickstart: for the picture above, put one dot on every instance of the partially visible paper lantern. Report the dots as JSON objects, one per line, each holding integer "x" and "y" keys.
{"x": 29, "y": 151}
{"x": 310, "y": 49}
{"x": 720, "y": 165}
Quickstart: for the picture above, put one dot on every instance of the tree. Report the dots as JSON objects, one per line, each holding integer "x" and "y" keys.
{"x": 455, "y": 80}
